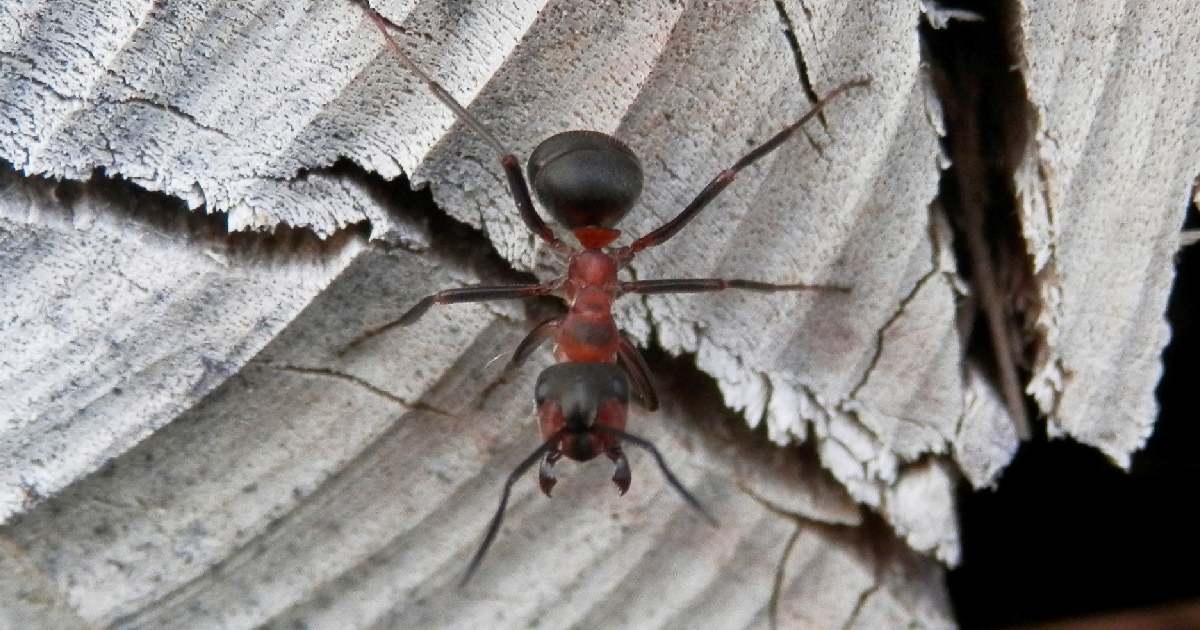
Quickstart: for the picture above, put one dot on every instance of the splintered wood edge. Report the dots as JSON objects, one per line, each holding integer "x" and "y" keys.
{"x": 1104, "y": 187}
{"x": 847, "y": 446}
{"x": 373, "y": 98}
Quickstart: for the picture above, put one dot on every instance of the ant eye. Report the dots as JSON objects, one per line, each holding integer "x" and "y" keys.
{"x": 541, "y": 392}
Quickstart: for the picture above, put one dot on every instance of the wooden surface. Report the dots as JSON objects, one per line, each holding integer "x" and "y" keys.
{"x": 181, "y": 444}
{"x": 1105, "y": 183}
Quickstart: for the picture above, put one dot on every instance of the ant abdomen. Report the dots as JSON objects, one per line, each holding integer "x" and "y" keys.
{"x": 585, "y": 178}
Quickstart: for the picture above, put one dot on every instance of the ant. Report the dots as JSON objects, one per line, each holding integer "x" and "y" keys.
{"x": 588, "y": 181}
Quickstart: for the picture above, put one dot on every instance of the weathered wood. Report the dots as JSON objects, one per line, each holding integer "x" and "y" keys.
{"x": 120, "y": 312}
{"x": 314, "y": 488}
{"x": 181, "y": 444}
{"x": 1106, "y": 180}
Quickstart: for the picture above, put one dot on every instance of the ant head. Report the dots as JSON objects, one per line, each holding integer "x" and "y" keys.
{"x": 576, "y": 398}
{"x": 585, "y": 179}
{"x": 582, "y": 409}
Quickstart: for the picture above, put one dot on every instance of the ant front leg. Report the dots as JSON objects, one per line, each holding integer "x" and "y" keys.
{"x": 455, "y": 296}
{"x": 512, "y": 167}
{"x": 535, "y": 338}
{"x": 639, "y": 373}
{"x": 726, "y": 177}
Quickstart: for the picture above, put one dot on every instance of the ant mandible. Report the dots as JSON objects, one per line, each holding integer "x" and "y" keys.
{"x": 588, "y": 181}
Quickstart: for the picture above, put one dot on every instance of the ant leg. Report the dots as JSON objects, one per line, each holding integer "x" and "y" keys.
{"x": 512, "y": 167}
{"x": 482, "y": 293}
{"x": 546, "y": 477}
{"x": 454, "y": 296}
{"x": 726, "y": 177}
{"x": 621, "y": 475}
{"x": 550, "y": 444}
{"x": 635, "y": 365}
{"x": 700, "y": 285}
{"x": 535, "y": 338}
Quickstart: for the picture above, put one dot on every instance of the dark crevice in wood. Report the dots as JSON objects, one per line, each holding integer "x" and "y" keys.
{"x": 169, "y": 216}
{"x": 1086, "y": 563}
{"x": 459, "y": 243}
{"x": 358, "y": 381}
{"x": 789, "y": 32}
{"x": 452, "y": 242}
{"x": 858, "y": 605}
{"x": 881, "y": 335}
{"x": 988, "y": 118}
{"x": 780, "y": 577}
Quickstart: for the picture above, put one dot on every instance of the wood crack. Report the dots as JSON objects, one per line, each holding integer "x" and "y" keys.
{"x": 789, "y": 33}
{"x": 359, "y": 382}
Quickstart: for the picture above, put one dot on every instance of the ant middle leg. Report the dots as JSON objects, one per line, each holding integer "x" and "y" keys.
{"x": 455, "y": 296}
{"x": 512, "y": 167}
{"x": 726, "y": 177}
{"x": 701, "y": 285}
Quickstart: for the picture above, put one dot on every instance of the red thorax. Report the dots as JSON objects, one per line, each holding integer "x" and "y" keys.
{"x": 588, "y": 334}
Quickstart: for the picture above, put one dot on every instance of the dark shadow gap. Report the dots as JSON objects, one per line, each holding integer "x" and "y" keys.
{"x": 123, "y": 201}
{"x": 460, "y": 244}
{"x": 988, "y": 119}
{"x": 1065, "y": 535}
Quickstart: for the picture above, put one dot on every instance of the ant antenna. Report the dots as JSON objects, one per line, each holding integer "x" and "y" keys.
{"x": 662, "y": 465}
{"x": 494, "y": 527}
{"x": 438, "y": 91}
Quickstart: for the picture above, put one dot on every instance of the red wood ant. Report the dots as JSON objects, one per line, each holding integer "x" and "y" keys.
{"x": 588, "y": 181}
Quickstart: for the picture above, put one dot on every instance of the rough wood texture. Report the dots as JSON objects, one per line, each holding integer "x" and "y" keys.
{"x": 1105, "y": 183}
{"x": 293, "y": 492}
{"x": 181, "y": 445}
